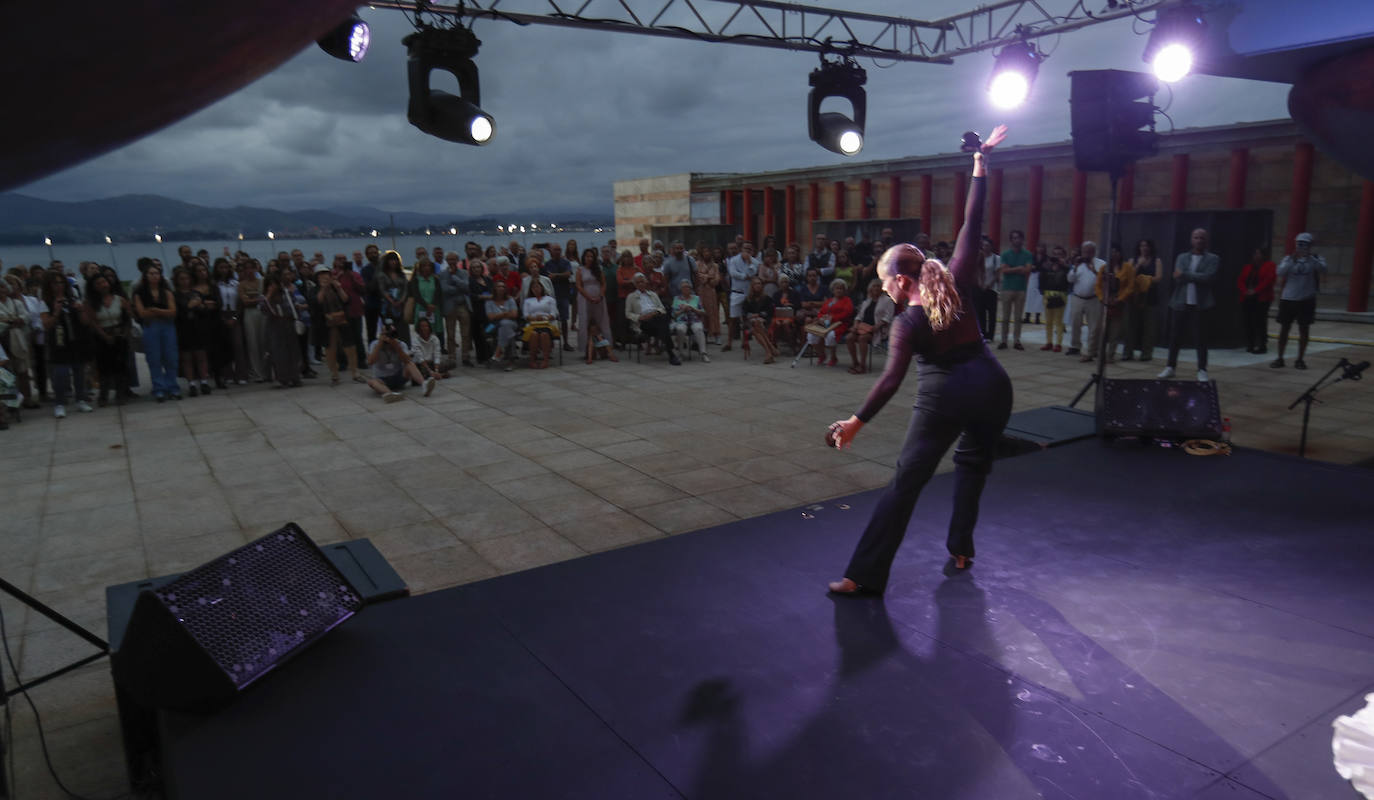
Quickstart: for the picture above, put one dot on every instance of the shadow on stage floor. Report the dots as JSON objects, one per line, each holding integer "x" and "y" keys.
{"x": 1140, "y": 623}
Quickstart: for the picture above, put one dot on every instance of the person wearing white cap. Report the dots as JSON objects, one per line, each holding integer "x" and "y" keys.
{"x": 1194, "y": 273}
{"x": 1299, "y": 276}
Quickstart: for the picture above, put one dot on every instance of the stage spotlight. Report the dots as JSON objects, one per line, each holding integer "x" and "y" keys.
{"x": 832, "y": 130}
{"x": 457, "y": 119}
{"x": 1173, "y": 43}
{"x": 347, "y": 42}
{"x": 1013, "y": 72}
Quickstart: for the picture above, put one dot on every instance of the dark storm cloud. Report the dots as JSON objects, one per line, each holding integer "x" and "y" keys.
{"x": 578, "y": 110}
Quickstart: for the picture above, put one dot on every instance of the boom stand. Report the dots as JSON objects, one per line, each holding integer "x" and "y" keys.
{"x": 1096, "y": 379}
{"x": 1309, "y": 397}
{"x": 100, "y": 644}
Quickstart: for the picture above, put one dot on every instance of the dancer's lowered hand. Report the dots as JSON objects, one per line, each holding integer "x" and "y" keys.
{"x": 842, "y": 432}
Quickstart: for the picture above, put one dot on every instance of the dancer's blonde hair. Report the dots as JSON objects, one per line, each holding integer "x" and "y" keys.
{"x": 939, "y": 295}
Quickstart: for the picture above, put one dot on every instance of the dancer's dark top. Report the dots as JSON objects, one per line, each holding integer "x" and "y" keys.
{"x": 911, "y": 334}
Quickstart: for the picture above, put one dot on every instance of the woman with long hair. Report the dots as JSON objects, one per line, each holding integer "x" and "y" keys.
{"x": 591, "y": 300}
{"x": 283, "y": 348}
{"x": 193, "y": 354}
{"x": 394, "y": 289}
{"x": 479, "y": 292}
{"x": 1144, "y": 313}
{"x": 107, "y": 318}
{"x": 253, "y": 322}
{"x": 707, "y": 277}
{"x": 156, "y": 306}
{"x": 963, "y": 392}
{"x": 625, "y": 273}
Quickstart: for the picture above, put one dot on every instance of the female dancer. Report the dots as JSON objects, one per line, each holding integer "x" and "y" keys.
{"x": 963, "y": 390}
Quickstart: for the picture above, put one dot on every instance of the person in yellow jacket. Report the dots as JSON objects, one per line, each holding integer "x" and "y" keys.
{"x": 1115, "y": 285}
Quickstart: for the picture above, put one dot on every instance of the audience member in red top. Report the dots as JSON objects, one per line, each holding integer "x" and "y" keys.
{"x": 1256, "y": 287}
{"x": 834, "y": 314}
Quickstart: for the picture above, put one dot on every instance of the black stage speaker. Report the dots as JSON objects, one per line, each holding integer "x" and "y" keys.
{"x": 1162, "y": 409}
{"x": 195, "y": 643}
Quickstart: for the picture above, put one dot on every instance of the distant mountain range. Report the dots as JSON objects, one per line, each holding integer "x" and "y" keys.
{"x": 137, "y": 216}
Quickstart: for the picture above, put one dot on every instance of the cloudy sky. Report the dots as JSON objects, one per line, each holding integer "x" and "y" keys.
{"x": 577, "y": 110}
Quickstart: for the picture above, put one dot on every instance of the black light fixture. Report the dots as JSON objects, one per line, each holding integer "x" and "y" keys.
{"x": 438, "y": 113}
{"x": 348, "y": 41}
{"x": 1174, "y": 43}
{"x": 1013, "y": 73}
{"x": 842, "y": 77}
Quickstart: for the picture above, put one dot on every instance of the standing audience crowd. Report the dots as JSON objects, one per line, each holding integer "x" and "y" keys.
{"x": 207, "y": 324}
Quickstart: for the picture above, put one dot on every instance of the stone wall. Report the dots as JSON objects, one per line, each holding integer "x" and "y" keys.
{"x": 643, "y": 202}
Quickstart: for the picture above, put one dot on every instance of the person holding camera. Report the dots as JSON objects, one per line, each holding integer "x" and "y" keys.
{"x": 392, "y": 367}
{"x": 1054, "y": 289}
{"x": 1299, "y": 276}
{"x": 334, "y": 301}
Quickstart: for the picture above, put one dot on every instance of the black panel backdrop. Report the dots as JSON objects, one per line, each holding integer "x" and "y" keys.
{"x": 1233, "y": 236}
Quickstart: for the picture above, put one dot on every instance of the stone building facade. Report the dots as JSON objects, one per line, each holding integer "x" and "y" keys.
{"x": 1035, "y": 188}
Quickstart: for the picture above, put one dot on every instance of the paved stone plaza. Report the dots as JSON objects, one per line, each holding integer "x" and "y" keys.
{"x": 495, "y": 472}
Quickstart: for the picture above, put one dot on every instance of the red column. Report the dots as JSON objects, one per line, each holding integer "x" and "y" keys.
{"x": 894, "y": 197}
{"x": 747, "y": 210}
{"x": 1125, "y": 200}
{"x": 927, "y": 192}
{"x": 1235, "y": 190}
{"x": 960, "y": 196}
{"x": 1035, "y": 196}
{"x": 866, "y": 191}
{"x": 994, "y": 212}
{"x": 1364, "y": 252}
{"x": 1302, "y": 188}
{"x": 813, "y": 214}
{"x": 768, "y": 211}
{"x": 789, "y": 203}
{"x": 1178, "y": 190}
{"x": 729, "y": 207}
{"x": 839, "y": 199}
{"x": 1078, "y": 207}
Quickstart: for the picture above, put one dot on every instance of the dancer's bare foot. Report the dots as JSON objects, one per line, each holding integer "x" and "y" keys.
{"x": 957, "y": 565}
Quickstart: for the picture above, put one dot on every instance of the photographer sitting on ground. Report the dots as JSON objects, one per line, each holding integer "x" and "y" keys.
{"x": 392, "y": 367}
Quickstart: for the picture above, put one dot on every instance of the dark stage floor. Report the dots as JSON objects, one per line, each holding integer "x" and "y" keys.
{"x": 1139, "y": 624}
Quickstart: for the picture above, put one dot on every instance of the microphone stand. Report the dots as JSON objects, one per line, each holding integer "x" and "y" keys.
{"x": 1310, "y": 396}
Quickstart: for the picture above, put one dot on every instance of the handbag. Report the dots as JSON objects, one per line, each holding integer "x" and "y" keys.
{"x": 1054, "y": 300}
{"x": 336, "y": 319}
{"x": 820, "y": 328}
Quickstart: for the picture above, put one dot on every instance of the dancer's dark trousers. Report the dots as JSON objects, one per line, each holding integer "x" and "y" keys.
{"x": 1190, "y": 319}
{"x": 969, "y": 402}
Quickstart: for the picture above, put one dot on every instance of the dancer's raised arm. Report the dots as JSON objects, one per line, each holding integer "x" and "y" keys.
{"x": 966, "y": 263}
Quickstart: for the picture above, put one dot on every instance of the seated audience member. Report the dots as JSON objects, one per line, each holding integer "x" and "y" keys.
{"x": 541, "y": 321}
{"x": 427, "y": 352}
{"x": 392, "y": 367}
{"x": 813, "y": 296}
{"x": 870, "y": 325}
{"x": 501, "y": 320}
{"x": 833, "y": 316}
{"x": 644, "y": 310}
{"x": 786, "y": 312}
{"x": 687, "y": 319}
{"x": 758, "y": 317}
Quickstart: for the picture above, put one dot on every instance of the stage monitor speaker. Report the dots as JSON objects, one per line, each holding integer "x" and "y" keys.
{"x": 194, "y": 644}
{"x": 1161, "y": 409}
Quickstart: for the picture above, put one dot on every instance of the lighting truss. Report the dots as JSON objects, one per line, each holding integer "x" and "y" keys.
{"x": 792, "y": 26}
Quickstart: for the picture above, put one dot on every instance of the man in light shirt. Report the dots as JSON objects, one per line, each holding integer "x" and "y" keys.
{"x": 1298, "y": 277}
{"x": 646, "y": 314}
{"x": 1194, "y": 273}
{"x": 1084, "y": 307}
{"x": 742, "y": 269}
